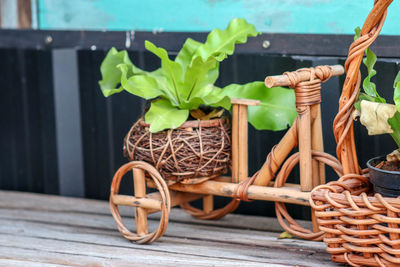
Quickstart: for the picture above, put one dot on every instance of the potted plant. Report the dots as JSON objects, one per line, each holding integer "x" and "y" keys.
{"x": 184, "y": 133}
{"x": 380, "y": 117}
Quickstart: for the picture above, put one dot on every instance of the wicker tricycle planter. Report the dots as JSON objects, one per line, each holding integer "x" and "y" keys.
{"x": 181, "y": 191}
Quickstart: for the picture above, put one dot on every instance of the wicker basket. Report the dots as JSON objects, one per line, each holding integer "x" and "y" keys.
{"x": 194, "y": 152}
{"x": 361, "y": 229}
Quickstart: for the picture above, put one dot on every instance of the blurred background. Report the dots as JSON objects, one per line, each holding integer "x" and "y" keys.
{"x": 59, "y": 135}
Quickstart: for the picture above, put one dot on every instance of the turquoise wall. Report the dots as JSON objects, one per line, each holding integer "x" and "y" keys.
{"x": 280, "y": 16}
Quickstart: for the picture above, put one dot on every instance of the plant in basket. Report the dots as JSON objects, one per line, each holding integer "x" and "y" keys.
{"x": 380, "y": 117}
{"x": 184, "y": 133}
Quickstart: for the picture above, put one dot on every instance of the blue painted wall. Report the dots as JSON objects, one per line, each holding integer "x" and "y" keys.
{"x": 280, "y": 16}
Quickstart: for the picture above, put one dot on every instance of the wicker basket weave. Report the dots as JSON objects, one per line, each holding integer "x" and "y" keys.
{"x": 194, "y": 152}
{"x": 361, "y": 229}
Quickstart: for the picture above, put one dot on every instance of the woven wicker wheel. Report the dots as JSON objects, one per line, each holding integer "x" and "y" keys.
{"x": 360, "y": 229}
{"x": 165, "y": 202}
{"x": 282, "y": 214}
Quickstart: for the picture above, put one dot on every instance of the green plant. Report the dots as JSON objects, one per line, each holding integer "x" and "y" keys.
{"x": 378, "y": 116}
{"x": 183, "y": 85}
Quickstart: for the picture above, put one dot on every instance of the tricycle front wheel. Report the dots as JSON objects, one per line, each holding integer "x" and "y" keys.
{"x": 140, "y": 169}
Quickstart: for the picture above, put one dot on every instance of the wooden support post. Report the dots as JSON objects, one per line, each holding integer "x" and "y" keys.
{"x": 243, "y": 143}
{"x": 304, "y": 134}
{"x": 317, "y": 144}
{"x": 235, "y": 143}
{"x": 139, "y": 182}
{"x": 208, "y": 203}
{"x": 240, "y": 167}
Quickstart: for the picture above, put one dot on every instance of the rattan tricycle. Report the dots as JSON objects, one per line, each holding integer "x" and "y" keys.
{"x": 306, "y": 132}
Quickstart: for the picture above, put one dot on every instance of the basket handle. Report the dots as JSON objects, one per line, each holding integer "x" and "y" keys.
{"x": 343, "y": 123}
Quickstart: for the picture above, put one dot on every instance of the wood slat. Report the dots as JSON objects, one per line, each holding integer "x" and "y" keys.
{"x": 68, "y": 231}
{"x": 32, "y": 201}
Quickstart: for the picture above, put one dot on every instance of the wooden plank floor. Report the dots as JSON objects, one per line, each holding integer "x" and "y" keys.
{"x": 42, "y": 230}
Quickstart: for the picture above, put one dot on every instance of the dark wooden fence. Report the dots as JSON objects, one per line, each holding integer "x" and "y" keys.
{"x": 59, "y": 135}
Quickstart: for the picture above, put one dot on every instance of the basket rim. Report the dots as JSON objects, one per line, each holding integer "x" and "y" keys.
{"x": 194, "y": 123}
{"x": 369, "y": 165}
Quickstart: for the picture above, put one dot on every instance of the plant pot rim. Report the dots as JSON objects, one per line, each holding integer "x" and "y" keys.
{"x": 194, "y": 123}
{"x": 369, "y": 165}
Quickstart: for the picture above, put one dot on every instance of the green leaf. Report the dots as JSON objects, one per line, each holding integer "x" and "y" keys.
{"x": 277, "y": 107}
{"x": 162, "y": 115}
{"x": 209, "y": 95}
{"x": 185, "y": 55}
{"x": 216, "y": 97}
{"x": 171, "y": 70}
{"x": 198, "y": 75}
{"x": 396, "y": 93}
{"x": 394, "y": 123}
{"x": 146, "y": 85}
{"x": 285, "y": 235}
{"x": 358, "y": 32}
{"x": 364, "y": 96}
{"x": 220, "y": 43}
{"x": 111, "y": 75}
{"x": 143, "y": 86}
{"x": 368, "y": 86}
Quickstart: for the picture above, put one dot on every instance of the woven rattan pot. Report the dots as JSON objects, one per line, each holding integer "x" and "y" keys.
{"x": 194, "y": 152}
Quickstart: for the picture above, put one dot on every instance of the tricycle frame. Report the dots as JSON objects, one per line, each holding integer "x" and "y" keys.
{"x": 306, "y": 132}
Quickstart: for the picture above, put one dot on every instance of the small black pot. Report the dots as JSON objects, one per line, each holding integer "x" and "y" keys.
{"x": 387, "y": 183}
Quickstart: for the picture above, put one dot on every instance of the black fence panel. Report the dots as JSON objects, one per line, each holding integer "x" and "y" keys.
{"x": 28, "y": 159}
{"x": 28, "y": 135}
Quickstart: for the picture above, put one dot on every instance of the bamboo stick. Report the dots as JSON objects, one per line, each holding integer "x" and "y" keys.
{"x": 139, "y": 182}
{"x": 247, "y": 102}
{"x": 288, "y": 194}
{"x": 243, "y": 143}
{"x": 225, "y": 179}
{"x": 283, "y": 148}
{"x": 235, "y": 143}
{"x": 304, "y": 131}
{"x": 318, "y": 168}
{"x": 283, "y": 80}
{"x": 208, "y": 203}
{"x": 317, "y": 144}
{"x": 152, "y": 202}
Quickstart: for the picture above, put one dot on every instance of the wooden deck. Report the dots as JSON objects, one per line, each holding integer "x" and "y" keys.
{"x": 42, "y": 230}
